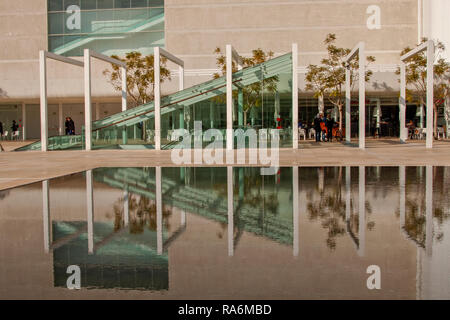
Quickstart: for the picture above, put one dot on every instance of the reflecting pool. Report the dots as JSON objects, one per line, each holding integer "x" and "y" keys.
{"x": 229, "y": 232}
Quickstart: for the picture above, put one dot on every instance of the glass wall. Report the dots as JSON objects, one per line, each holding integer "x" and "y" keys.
{"x": 265, "y": 105}
{"x": 106, "y": 26}
{"x": 262, "y": 110}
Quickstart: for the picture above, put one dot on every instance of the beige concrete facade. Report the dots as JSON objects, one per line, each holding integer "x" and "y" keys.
{"x": 193, "y": 29}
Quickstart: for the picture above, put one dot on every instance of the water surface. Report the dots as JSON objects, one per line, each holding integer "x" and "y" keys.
{"x": 229, "y": 233}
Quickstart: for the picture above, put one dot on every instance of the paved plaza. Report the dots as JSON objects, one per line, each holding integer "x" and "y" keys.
{"x": 18, "y": 168}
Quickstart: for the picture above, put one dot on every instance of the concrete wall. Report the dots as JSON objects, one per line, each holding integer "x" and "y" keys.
{"x": 195, "y": 28}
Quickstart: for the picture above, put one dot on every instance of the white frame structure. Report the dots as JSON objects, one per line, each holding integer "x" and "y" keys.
{"x": 429, "y": 47}
{"x": 88, "y": 54}
{"x": 43, "y": 55}
{"x": 360, "y": 50}
{"x": 294, "y": 96}
{"x": 158, "y": 52}
{"x": 231, "y": 54}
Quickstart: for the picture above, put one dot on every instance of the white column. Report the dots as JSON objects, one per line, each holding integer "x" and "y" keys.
{"x": 181, "y": 78}
{"x": 90, "y": 210}
{"x": 348, "y": 101}
{"x": 43, "y": 94}
{"x": 294, "y": 96}
{"x": 46, "y": 214}
{"x": 362, "y": 96}
{"x": 429, "y": 210}
{"x": 230, "y": 211}
{"x": 402, "y": 191}
{"x": 402, "y": 115}
{"x": 24, "y": 121}
{"x": 348, "y": 193}
{"x": 362, "y": 211}
{"x": 229, "y": 77}
{"x": 126, "y": 208}
{"x": 157, "y": 100}
{"x": 124, "y": 88}
{"x": 183, "y": 217}
{"x": 60, "y": 119}
{"x": 87, "y": 101}
{"x": 295, "y": 208}
{"x": 159, "y": 222}
{"x": 430, "y": 75}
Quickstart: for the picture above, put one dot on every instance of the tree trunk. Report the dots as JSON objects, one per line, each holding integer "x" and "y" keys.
{"x": 340, "y": 117}
{"x": 245, "y": 117}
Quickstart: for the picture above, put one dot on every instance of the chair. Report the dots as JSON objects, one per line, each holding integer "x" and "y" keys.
{"x": 15, "y": 135}
{"x": 150, "y": 135}
{"x": 423, "y": 133}
{"x": 312, "y": 133}
{"x": 169, "y": 135}
{"x": 301, "y": 132}
{"x": 263, "y": 134}
{"x": 5, "y": 135}
{"x": 273, "y": 133}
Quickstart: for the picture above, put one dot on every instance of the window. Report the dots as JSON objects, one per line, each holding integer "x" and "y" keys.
{"x": 106, "y": 26}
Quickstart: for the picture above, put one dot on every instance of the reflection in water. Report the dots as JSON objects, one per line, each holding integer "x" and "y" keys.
{"x": 332, "y": 217}
{"x": 335, "y": 213}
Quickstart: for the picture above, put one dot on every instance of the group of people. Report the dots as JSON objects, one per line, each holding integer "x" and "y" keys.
{"x": 323, "y": 126}
{"x": 70, "y": 126}
{"x": 14, "y": 128}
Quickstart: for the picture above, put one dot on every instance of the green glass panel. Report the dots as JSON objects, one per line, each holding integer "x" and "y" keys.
{"x": 121, "y": 3}
{"x": 139, "y": 3}
{"x": 55, "y": 5}
{"x": 68, "y": 3}
{"x": 105, "y": 4}
{"x": 56, "y": 23}
{"x": 88, "y": 4}
{"x": 88, "y": 19}
{"x": 156, "y": 3}
{"x": 55, "y": 42}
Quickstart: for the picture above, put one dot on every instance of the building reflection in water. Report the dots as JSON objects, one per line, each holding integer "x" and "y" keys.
{"x": 240, "y": 200}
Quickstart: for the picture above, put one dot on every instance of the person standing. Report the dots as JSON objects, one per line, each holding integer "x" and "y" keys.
{"x": 15, "y": 130}
{"x": 71, "y": 127}
{"x": 317, "y": 127}
{"x": 330, "y": 125}
{"x": 67, "y": 126}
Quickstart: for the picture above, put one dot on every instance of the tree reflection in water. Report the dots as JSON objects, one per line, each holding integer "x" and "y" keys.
{"x": 254, "y": 192}
{"x": 415, "y": 206}
{"x": 142, "y": 213}
{"x": 329, "y": 207}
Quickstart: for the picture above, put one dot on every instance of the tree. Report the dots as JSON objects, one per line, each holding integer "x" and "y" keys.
{"x": 416, "y": 76}
{"x": 140, "y": 76}
{"x": 252, "y": 93}
{"x": 328, "y": 78}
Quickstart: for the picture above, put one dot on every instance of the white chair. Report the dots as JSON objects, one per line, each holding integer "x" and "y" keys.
{"x": 312, "y": 133}
{"x": 263, "y": 134}
{"x": 15, "y": 135}
{"x": 423, "y": 133}
{"x": 150, "y": 135}
{"x": 273, "y": 133}
{"x": 301, "y": 132}
{"x": 169, "y": 135}
{"x": 5, "y": 135}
